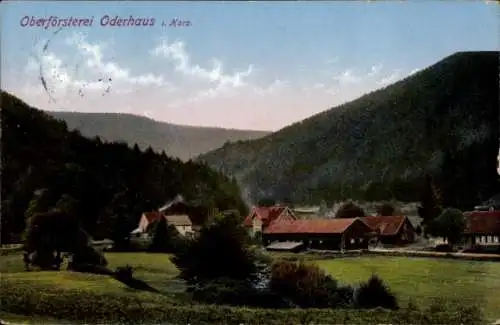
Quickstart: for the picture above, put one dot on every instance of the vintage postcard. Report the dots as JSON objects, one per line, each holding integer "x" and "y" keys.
{"x": 250, "y": 162}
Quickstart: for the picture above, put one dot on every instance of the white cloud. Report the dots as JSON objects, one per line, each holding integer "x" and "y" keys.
{"x": 220, "y": 82}
{"x": 58, "y": 77}
{"x": 94, "y": 60}
{"x": 273, "y": 88}
{"x": 346, "y": 77}
{"x": 391, "y": 78}
{"x": 374, "y": 70}
{"x": 412, "y": 72}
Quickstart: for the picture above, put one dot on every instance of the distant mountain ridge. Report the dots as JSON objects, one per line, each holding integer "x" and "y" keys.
{"x": 184, "y": 142}
{"x": 442, "y": 121}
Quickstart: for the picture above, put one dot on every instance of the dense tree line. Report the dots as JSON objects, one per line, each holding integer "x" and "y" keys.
{"x": 442, "y": 120}
{"x": 106, "y": 185}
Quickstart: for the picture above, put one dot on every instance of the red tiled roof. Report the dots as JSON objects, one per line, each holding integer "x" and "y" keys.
{"x": 315, "y": 226}
{"x": 153, "y": 216}
{"x": 264, "y": 214}
{"x": 482, "y": 222}
{"x": 385, "y": 225}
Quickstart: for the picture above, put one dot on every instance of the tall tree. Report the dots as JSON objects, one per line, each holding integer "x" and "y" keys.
{"x": 431, "y": 202}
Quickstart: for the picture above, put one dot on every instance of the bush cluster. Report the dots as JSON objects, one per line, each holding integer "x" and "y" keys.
{"x": 308, "y": 286}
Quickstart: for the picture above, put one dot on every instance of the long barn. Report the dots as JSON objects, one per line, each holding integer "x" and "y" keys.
{"x": 328, "y": 234}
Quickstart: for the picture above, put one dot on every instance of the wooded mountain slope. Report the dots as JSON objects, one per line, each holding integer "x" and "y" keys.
{"x": 182, "y": 141}
{"x": 444, "y": 120}
{"x": 106, "y": 185}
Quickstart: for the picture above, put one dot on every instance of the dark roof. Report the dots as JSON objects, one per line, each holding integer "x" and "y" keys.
{"x": 264, "y": 214}
{"x": 316, "y": 226}
{"x": 482, "y": 222}
{"x": 385, "y": 225}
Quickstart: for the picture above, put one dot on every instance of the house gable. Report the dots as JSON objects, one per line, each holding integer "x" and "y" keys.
{"x": 249, "y": 220}
{"x": 387, "y": 225}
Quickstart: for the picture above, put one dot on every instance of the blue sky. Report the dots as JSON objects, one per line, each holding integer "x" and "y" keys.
{"x": 238, "y": 65}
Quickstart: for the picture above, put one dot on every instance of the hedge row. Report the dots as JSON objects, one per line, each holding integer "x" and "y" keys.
{"x": 87, "y": 307}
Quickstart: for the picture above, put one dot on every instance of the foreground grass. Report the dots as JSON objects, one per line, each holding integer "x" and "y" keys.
{"x": 426, "y": 280}
{"x": 58, "y": 294}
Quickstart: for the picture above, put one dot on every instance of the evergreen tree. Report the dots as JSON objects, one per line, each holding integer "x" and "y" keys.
{"x": 165, "y": 237}
{"x": 430, "y": 204}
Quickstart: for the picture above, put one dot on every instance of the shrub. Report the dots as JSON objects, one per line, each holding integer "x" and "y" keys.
{"x": 307, "y": 286}
{"x": 87, "y": 255}
{"x": 350, "y": 210}
{"x": 236, "y": 293}
{"x": 374, "y": 293}
{"x": 124, "y": 273}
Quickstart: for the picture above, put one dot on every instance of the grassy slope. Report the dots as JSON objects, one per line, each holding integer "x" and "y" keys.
{"x": 176, "y": 140}
{"x": 395, "y": 132}
{"x": 419, "y": 279}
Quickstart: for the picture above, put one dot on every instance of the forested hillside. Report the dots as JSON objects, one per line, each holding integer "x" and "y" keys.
{"x": 107, "y": 185}
{"x": 182, "y": 141}
{"x": 442, "y": 121}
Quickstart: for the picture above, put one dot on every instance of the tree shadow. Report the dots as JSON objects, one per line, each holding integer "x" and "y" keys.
{"x": 129, "y": 281}
{"x": 136, "y": 284}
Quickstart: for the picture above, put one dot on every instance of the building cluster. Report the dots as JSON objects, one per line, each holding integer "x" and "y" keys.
{"x": 280, "y": 228}
{"x": 279, "y": 224}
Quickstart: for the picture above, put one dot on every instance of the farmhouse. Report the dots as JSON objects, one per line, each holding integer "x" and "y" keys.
{"x": 148, "y": 218}
{"x": 392, "y": 230}
{"x": 482, "y": 226}
{"x": 182, "y": 222}
{"x": 261, "y": 217}
{"x": 328, "y": 234}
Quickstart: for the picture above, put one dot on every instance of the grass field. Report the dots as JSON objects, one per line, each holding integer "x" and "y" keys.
{"x": 419, "y": 279}
{"x": 425, "y": 280}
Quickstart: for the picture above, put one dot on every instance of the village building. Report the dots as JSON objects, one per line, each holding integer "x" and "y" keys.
{"x": 392, "y": 230}
{"x": 146, "y": 220}
{"x": 482, "y": 227}
{"x": 261, "y": 217}
{"x": 325, "y": 234}
{"x": 181, "y": 222}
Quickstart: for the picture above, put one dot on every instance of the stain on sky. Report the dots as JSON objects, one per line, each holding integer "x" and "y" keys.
{"x": 106, "y": 81}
